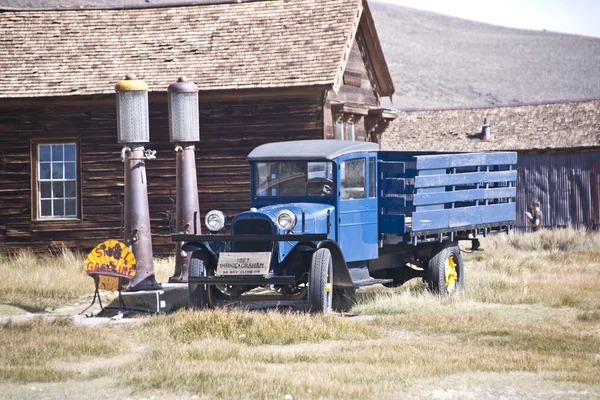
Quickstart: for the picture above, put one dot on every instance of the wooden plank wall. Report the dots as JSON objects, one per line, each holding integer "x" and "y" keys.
{"x": 363, "y": 94}
{"x": 229, "y": 129}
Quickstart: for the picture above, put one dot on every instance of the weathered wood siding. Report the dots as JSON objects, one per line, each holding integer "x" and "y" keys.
{"x": 567, "y": 185}
{"x": 357, "y": 89}
{"x": 229, "y": 129}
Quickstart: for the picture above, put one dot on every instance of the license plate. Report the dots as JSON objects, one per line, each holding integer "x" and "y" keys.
{"x": 243, "y": 263}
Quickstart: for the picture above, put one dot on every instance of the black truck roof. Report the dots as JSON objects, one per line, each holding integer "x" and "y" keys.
{"x": 320, "y": 150}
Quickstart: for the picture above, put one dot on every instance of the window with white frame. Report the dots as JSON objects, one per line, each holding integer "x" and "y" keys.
{"x": 57, "y": 180}
{"x": 345, "y": 128}
{"x": 350, "y": 133}
{"x": 339, "y": 129}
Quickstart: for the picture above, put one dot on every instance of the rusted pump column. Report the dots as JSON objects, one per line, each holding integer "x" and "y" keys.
{"x": 184, "y": 129}
{"x": 133, "y": 131}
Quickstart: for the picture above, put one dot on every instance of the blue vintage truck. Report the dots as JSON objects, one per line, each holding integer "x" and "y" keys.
{"x": 330, "y": 216}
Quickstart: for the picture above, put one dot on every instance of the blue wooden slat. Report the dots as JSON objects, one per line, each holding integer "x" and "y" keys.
{"x": 432, "y": 172}
{"x": 392, "y": 202}
{"x": 457, "y": 217}
{"x": 393, "y": 167}
{"x": 399, "y": 210}
{"x": 499, "y": 212}
{"x": 466, "y": 216}
{"x": 427, "y": 220}
{"x": 421, "y": 199}
{"x": 386, "y": 155}
{"x": 392, "y": 223}
{"x": 408, "y": 173}
{"x": 464, "y": 178}
{"x": 394, "y": 186}
{"x": 465, "y": 160}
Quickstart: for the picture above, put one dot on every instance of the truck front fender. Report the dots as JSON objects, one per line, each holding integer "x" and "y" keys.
{"x": 200, "y": 246}
{"x": 341, "y": 275}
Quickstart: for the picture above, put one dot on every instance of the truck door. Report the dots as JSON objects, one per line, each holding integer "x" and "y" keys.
{"x": 357, "y": 206}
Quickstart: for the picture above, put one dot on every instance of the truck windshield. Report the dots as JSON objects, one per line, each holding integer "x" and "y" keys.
{"x": 294, "y": 178}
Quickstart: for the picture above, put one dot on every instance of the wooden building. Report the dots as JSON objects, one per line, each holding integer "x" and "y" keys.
{"x": 267, "y": 71}
{"x": 558, "y": 147}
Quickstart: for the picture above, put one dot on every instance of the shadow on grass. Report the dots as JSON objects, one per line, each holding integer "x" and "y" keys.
{"x": 32, "y": 310}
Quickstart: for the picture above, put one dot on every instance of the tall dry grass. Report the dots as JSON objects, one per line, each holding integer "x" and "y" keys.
{"x": 530, "y": 313}
{"x": 37, "y": 282}
{"x": 29, "y": 348}
{"x": 552, "y": 268}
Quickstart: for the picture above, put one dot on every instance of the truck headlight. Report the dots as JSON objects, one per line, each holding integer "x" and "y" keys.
{"x": 214, "y": 220}
{"x": 285, "y": 220}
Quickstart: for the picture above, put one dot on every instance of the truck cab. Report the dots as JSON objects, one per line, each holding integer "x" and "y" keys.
{"x": 334, "y": 177}
{"x": 328, "y": 217}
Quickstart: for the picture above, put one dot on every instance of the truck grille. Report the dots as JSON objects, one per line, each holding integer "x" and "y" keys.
{"x": 255, "y": 226}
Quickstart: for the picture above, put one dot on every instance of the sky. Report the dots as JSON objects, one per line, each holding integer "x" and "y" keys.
{"x": 581, "y": 17}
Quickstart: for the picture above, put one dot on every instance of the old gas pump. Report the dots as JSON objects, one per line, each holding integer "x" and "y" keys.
{"x": 133, "y": 133}
{"x": 184, "y": 130}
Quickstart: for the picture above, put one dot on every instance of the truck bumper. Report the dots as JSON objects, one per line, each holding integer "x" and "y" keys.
{"x": 243, "y": 280}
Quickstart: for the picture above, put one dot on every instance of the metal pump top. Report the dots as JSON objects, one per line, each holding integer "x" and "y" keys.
{"x": 131, "y": 83}
{"x": 182, "y": 86}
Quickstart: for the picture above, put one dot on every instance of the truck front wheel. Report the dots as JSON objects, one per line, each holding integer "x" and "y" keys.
{"x": 199, "y": 296}
{"x": 320, "y": 285}
{"x": 445, "y": 273}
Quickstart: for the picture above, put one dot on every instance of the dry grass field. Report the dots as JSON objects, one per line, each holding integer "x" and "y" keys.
{"x": 526, "y": 326}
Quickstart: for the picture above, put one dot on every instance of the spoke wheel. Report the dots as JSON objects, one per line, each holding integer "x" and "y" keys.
{"x": 450, "y": 274}
{"x": 320, "y": 286}
{"x": 445, "y": 273}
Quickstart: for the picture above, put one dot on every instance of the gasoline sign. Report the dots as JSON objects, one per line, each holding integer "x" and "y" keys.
{"x": 110, "y": 261}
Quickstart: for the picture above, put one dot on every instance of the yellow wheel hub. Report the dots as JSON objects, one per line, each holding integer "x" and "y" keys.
{"x": 450, "y": 274}
{"x": 328, "y": 288}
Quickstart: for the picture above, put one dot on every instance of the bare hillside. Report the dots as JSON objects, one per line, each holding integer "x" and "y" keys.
{"x": 441, "y": 61}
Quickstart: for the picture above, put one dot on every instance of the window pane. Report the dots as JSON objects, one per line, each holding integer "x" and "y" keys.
{"x": 57, "y": 152}
{"x": 293, "y": 178}
{"x": 59, "y": 207}
{"x": 46, "y": 210}
{"x": 58, "y": 190}
{"x": 339, "y": 130}
{"x": 45, "y": 190}
{"x": 57, "y": 170}
{"x": 70, "y": 189}
{"x": 44, "y": 152}
{"x": 57, "y": 180}
{"x": 353, "y": 179}
{"x": 350, "y": 130}
{"x": 45, "y": 170}
{"x": 69, "y": 170}
{"x": 69, "y": 152}
{"x": 70, "y": 207}
{"x": 371, "y": 177}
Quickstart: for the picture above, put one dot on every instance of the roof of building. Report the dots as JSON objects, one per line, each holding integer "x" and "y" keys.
{"x": 219, "y": 46}
{"x": 309, "y": 150}
{"x": 574, "y": 124}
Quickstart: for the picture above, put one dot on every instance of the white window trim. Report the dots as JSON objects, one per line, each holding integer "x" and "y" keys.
{"x": 345, "y": 122}
{"x": 51, "y": 180}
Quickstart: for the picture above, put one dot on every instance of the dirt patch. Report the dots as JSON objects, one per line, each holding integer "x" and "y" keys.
{"x": 89, "y": 366}
{"x": 495, "y": 386}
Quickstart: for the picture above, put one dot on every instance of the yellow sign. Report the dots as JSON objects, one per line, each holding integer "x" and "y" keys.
{"x": 110, "y": 261}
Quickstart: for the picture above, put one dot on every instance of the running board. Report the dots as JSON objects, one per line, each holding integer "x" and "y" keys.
{"x": 369, "y": 282}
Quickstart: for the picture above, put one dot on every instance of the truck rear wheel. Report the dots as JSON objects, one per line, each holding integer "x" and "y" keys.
{"x": 199, "y": 296}
{"x": 445, "y": 273}
{"x": 320, "y": 285}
